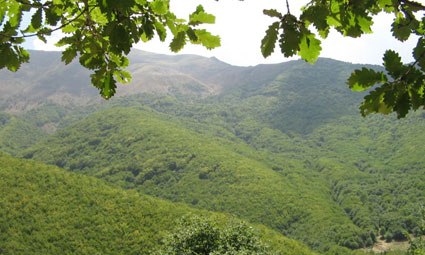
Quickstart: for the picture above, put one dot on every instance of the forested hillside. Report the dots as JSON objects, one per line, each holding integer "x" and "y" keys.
{"x": 46, "y": 210}
{"x": 282, "y": 145}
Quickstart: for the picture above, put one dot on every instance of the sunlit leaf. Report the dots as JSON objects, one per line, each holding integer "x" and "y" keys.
{"x": 160, "y": 7}
{"x": 309, "y": 48}
{"x": 200, "y": 17}
{"x": 269, "y": 41}
{"x": 361, "y": 80}
{"x": 206, "y": 39}
{"x": 393, "y": 64}
{"x": 68, "y": 55}
{"x": 37, "y": 18}
{"x": 178, "y": 41}
{"x": 273, "y": 13}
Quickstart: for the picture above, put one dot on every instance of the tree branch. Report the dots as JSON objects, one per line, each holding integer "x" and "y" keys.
{"x": 46, "y": 32}
{"x": 287, "y": 7}
{"x": 413, "y": 4}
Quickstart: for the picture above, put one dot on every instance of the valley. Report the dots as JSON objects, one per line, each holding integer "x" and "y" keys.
{"x": 282, "y": 147}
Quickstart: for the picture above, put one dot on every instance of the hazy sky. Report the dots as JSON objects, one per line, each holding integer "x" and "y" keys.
{"x": 241, "y": 26}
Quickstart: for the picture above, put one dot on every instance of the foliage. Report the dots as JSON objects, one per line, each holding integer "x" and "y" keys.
{"x": 161, "y": 158}
{"x": 322, "y": 174}
{"x": 417, "y": 247}
{"x": 100, "y": 33}
{"x": 197, "y": 236}
{"x": 323, "y": 203}
{"x": 46, "y": 210}
{"x": 401, "y": 86}
{"x": 17, "y": 134}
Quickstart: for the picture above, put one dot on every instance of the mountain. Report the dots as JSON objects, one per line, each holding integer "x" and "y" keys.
{"x": 46, "y": 210}
{"x": 282, "y": 145}
{"x": 46, "y": 78}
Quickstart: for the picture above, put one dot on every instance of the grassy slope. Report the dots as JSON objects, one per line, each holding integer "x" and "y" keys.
{"x": 46, "y": 210}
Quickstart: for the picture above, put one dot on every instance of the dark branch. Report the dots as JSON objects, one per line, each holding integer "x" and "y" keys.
{"x": 413, "y": 4}
{"x": 45, "y": 32}
{"x": 287, "y": 7}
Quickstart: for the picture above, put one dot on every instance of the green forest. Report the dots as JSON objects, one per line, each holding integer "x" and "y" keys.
{"x": 274, "y": 158}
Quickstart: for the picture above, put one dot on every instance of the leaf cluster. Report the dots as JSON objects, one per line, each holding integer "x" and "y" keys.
{"x": 401, "y": 87}
{"x": 99, "y": 33}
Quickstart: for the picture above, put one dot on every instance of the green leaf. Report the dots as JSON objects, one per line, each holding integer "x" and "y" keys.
{"x": 309, "y": 48}
{"x": 70, "y": 28}
{"x": 419, "y": 53}
{"x": 14, "y": 13}
{"x": 387, "y": 5}
{"x": 99, "y": 17}
{"x": 68, "y": 55}
{"x": 160, "y": 7}
{"x": 374, "y": 103}
{"x": 161, "y": 31}
{"x": 52, "y": 17}
{"x": 42, "y": 38}
{"x": 12, "y": 56}
{"x": 192, "y": 36}
{"x": 119, "y": 39}
{"x": 361, "y": 80}
{"x": 273, "y": 13}
{"x": 37, "y": 18}
{"x": 417, "y": 97}
{"x": 65, "y": 41}
{"x": 393, "y": 64}
{"x": 401, "y": 29}
{"x": 317, "y": 15}
{"x": 403, "y": 105}
{"x": 291, "y": 36}
{"x": 122, "y": 76}
{"x": 178, "y": 41}
{"x": 365, "y": 23}
{"x": 208, "y": 40}
{"x": 148, "y": 30}
{"x": 200, "y": 17}
{"x": 103, "y": 80}
{"x": 108, "y": 87}
{"x": 269, "y": 41}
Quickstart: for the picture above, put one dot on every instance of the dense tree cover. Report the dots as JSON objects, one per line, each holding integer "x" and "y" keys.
{"x": 159, "y": 157}
{"x": 182, "y": 167}
{"x": 101, "y": 34}
{"x": 417, "y": 247}
{"x": 198, "y": 236}
{"x": 334, "y": 181}
{"x": 17, "y": 134}
{"x": 46, "y": 210}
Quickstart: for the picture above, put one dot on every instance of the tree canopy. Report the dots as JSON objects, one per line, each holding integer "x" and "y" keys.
{"x": 198, "y": 236}
{"x": 102, "y": 33}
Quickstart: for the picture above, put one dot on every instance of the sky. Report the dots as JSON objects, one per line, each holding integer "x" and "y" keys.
{"x": 241, "y": 25}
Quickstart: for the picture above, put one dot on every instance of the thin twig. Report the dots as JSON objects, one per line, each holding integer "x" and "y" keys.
{"x": 287, "y": 7}
{"x": 45, "y": 32}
